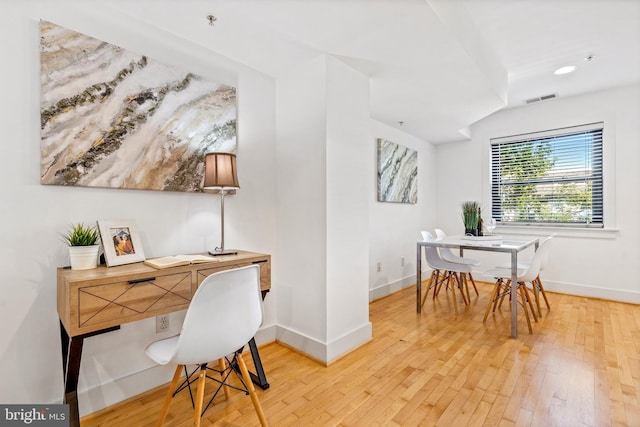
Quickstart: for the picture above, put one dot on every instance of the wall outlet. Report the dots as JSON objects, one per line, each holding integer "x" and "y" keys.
{"x": 402, "y": 262}
{"x": 162, "y": 323}
{"x": 379, "y": 267}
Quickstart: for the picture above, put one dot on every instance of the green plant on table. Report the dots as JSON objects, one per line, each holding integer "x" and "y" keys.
{"x": 470, "y": 214}
{"x": 81, "y": 235}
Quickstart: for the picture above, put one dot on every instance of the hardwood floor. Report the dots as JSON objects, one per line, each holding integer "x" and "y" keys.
{"x": 581, "y": 367}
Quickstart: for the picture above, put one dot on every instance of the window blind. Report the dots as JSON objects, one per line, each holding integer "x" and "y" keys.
{"x": 552, "y": 177}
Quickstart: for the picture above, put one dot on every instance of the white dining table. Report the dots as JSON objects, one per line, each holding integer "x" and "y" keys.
{"x": 482, "y": 243}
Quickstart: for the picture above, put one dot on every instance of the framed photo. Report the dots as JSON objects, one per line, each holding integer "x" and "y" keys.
{"x": 120, "y": 241}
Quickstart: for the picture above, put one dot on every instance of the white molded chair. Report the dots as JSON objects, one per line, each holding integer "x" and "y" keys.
{"x": 224, "y": 314}
{"x": 538, "y": 288}
{"x": 449, "y": 256}
{"x": 444, "y": 271}
{"x": 537, "y": 283}
{"x": 524, "y": 276}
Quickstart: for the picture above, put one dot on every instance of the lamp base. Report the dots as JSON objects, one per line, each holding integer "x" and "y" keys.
{"x": 217, "y": 252}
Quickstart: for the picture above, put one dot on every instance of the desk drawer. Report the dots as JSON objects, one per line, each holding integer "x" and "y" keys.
{"x": 125, "y": 301}
{"x": 265, "y": 272}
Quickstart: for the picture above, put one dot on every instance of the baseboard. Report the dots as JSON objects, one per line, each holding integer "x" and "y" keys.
{"x": 119, "y": 389}
{"x": 320, "y": 351}
{"x": 620, "y": 295}
{"x": 390, "y": 288}
{"x": 266, "y": 334}
{"x": 349, "y": 341}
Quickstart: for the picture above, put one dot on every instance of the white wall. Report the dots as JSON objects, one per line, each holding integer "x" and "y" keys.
{"x": 347, "y": 208}
{"x": 114, "y": 365}
{"x": 394, "y": 228}
{"x": 322, "y": 122}
{"x": 301, "y": 211}
{"x": 599, "y": 263}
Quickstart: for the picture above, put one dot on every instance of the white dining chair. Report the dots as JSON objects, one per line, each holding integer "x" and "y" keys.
{"x": 444, "y": 272}
{"x": 224, "y": 314}
{"x": 503, "y": 285}
{"x": 448, "y": 255}
{"x": 538, "y": 288}
{"x": 536, "y": 285}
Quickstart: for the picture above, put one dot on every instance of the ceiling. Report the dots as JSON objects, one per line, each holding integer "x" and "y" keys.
{"x": 435, "y": 66}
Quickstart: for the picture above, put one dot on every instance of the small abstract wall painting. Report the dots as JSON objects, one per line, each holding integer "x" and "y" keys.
{"x": 397, "y": 173}
{"x": 113, "y": 118}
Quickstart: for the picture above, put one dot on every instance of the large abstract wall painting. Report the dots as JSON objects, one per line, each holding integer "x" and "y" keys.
{"x": 397, "y": 173}
{"x": 117, "y": 119}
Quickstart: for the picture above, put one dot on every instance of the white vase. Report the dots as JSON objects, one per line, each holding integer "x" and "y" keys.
{"x": 83, "y": 257}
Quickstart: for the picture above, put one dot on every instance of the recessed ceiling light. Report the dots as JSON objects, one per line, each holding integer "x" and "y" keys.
{"x": 565, "y": 70}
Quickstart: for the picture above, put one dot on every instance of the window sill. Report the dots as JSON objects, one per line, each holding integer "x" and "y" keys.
{"x": 577, "y": 232}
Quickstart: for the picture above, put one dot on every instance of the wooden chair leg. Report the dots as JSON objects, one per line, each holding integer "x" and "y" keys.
{"x": 167, "y": 400}
{"x": 424, "y": 298}
{"x": 544, "y": 295}
{"x": 202, "y": 376}
{"x": 437, "y": 283}
{"x": 473, "y": 282}
{"x": 463, "y": 277}
{"x": 458, "y": 282}
{"x": 222, "y": 366}
{"x": 536, "y": 295}
{"x": 506, "y": 286}
{"x": 500, "y": 288}
{"x": 445, "y": 277}
{"x": 526, "y": 312}
{"x": 534, "y": 289}
{"x": 492, "y": 299}
{"x": 526, "y": 293}
{"x": 464, "y": 289}
{"x": 252, "y": 390}
{"x": 432, "y": 283}
{"x": 453, "y": 293}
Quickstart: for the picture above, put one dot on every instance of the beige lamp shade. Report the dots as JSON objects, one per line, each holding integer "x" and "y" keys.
{"x": 220, "y": 171}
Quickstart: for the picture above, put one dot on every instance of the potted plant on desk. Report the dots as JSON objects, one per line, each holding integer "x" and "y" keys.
{"x": 470, "y": 217}
{"x": 83, "y": 246}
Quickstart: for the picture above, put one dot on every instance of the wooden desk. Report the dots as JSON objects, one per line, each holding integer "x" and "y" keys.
{"x": 92, "y": 302}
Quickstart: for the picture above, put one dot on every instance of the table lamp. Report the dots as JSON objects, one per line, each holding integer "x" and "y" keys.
{"x": 220, "y": 175}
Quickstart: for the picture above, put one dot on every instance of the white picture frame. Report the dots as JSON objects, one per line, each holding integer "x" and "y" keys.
{"x": 121, "y": 242}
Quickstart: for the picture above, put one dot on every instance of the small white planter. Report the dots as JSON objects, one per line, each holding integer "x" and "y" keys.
{"x": 83, "y": 257}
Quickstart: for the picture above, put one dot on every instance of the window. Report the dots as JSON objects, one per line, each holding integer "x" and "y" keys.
{"x": 548, "y": 178}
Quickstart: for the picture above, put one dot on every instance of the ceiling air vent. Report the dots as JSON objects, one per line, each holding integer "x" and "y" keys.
{"x": 540, "y": 98}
